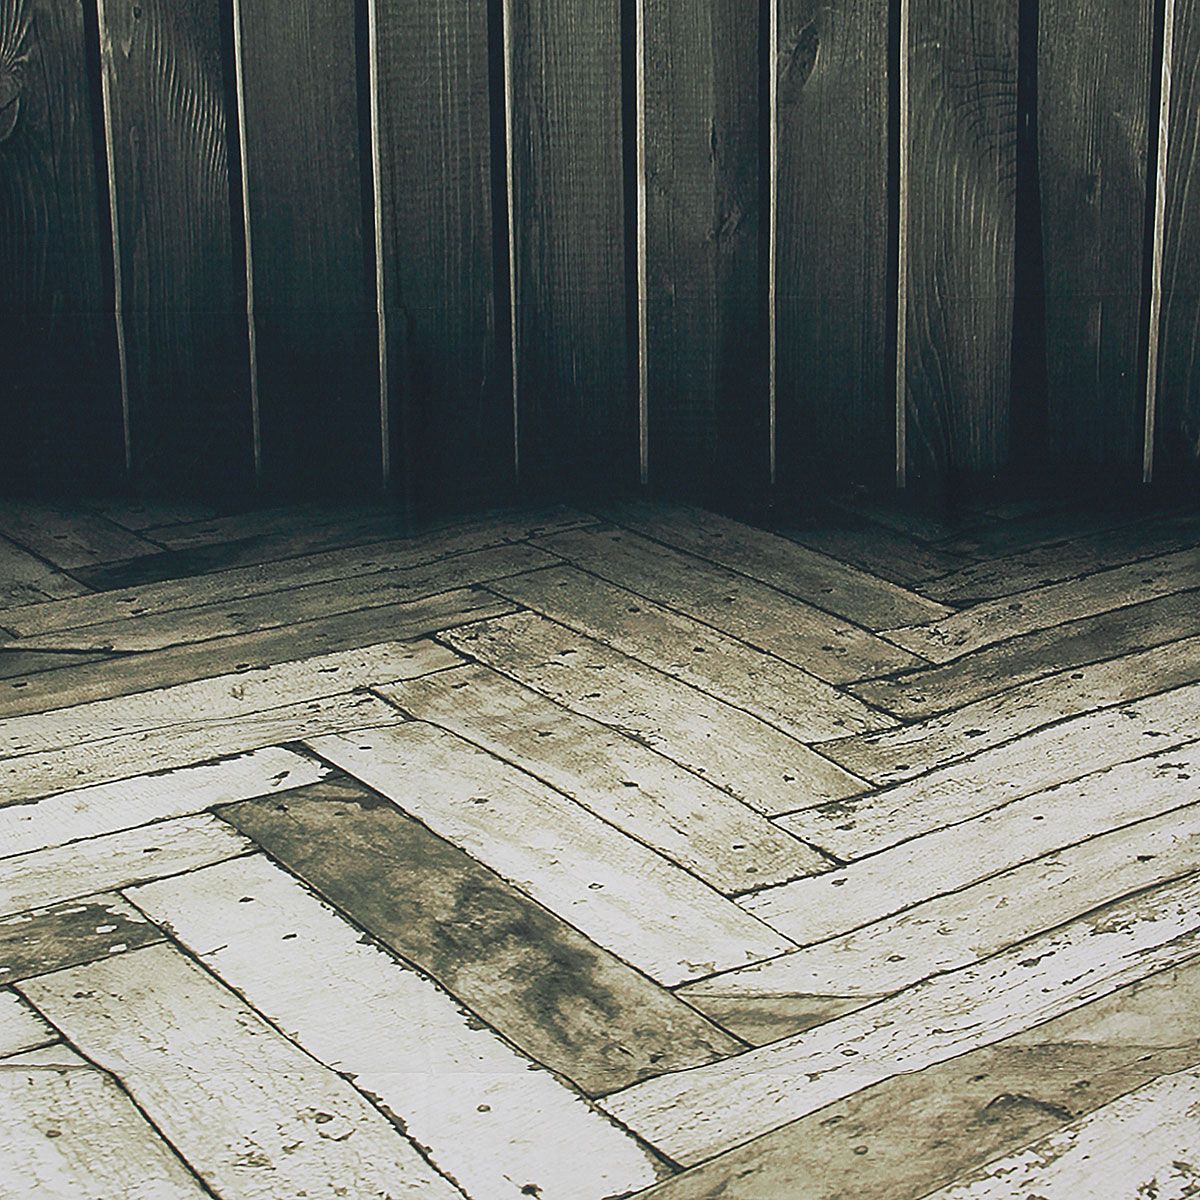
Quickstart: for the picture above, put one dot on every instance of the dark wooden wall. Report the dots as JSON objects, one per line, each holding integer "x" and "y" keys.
{"x": 451, "y": 250}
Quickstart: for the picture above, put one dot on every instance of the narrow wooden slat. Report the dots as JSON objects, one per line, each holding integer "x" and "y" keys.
{"x": 62, "y": 393}
{"x": 555, "y": 851}
{"x": 45, "y": 877}
{"x": 997, "y": 620}
{"x": 959, "y": 928}
{"x": 831, "y": 585}
{"x": 130, "y": 674}
{"x": 110, "y": 807}
{"x": 941, "y": 859}
{"x": 1059, "y": 754}
{"x": 275, "y": 1123}
{"x": 961, "y": 209}
{"x": 577, "y": 417}
{"x": 225, "y": 696}
{"x": 754, "y": 762}
{"x": 249, "y": 614}
{"x": 836, "y": 405}
{"x": 779, "y": 693}
{"x": 68, "y": 539}
{"x": 973, "y": 677}
{"x": 314, "y": 293}
{"x": 182, "y": 308}
{"x": 479, "y": 1110}
{"x": 833, "y": 650}
{"x": 190, "y": 741}
{"x": 21, "y": 1028}
{"x": 449, "y": 381}
{"x": 705, "y": 349}
{"x": 898, "y": 1139}
{"x": 57, "y": 1054}
{"x": 560, "y": 998}
{"x": 67, "y": 934}
{"x": 1175, "y": 435}
{"x": 74, "y": 1133}
{"x": 695, "y": 1114}
{"x": 646, "y": 796}
{"x": 17, "y": 665}
{"x": 270, "y": 576}
{"x": 1093, "y": 136}
{"x": 1141, "y": 1144}
{"x": 892, "y": 755}
{"x": 153, "y": 514}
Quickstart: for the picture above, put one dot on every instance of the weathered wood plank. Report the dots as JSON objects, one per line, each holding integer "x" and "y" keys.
{"x": 57, "y": 1054}
{"x": 68, "y": 539}
{"x": 779, "y": 693}
{"x": 110, "y": 807}
{"x": 898, "y": 1139}
{"x": 486, "y": 1116}
{"x": 689, "y": 821}
{"x": 921, "y": 694}
{"x": 997, "y": 620}
{"x": 536, "y": 980}
{"x": 68, "y": 934}
{"x": 249, "y": 614}
{"x": 316, "y": 348}
{"x": 1093, "y": 141}
{"x": 695, "y": 1114}
{"x": 45, "y": 877}
{"x": 556, "y": 852}
{"x": 62, "y": 396}
{"x": 21, "y": 1029}
{"x": 829, "y": 648}
{"x": 1177, "y": 432}
{"x": 836, "y": 381}
{"x": 577, "y": 420}
{"x": 892, "y": 755}
{"x": 26, "y": 579}
{"x": 182, "y": 306}
{"x": 1083, "y": 555}
{"x": 34, "y": 775}
{"x": 737, "y": 752}
{"x": 705, "y": 352}
{"x": 451, "y": 418}
{"x": 1021, "y": 830}
{"x": 824, "y": 582}
{"x": 959, "y": 173}
{"x": 223, "y": 697}
{"x": 1040, "y": 760}
{"x": 15, "y": 664}
{"x": 1140, "y": 1145}
{"x": 72, "y": 1132}
{"x": 140, "y": 516}
{"x": 275, "y": 1123}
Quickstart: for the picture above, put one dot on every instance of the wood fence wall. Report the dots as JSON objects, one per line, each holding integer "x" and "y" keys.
{"x": 443, "y": 247}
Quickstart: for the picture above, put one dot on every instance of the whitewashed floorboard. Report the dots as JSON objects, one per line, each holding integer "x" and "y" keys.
{"x": 21, "y": 1029}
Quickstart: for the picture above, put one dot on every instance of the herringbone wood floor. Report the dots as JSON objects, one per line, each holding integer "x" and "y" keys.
{"x": 563, "y": 854}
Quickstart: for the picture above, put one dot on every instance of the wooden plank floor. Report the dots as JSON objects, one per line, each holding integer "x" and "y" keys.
{"x": 581, "y": 855}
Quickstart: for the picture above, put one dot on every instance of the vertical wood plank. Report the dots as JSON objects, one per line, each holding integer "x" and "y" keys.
{"x": 1094, "y": 85}
{"x": 705, "y": 348}
{"x": 308, "y": 196}
{"x": 835, "y": 405}
{"x": 166, "y": 66}
{"x": 961, "y": 160}
{"x": 1177, "y": 441}
{"x": 61, "y": 395}
{"x": 578, "y": 413}
{"x": 449, "y": 391}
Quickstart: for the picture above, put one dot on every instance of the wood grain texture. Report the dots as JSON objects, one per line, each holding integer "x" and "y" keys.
{"x": 310, "y": 250}
{"x": 578, "y": 426}
{"x": 183, "y": 306}
{"x": 1178, "y": 425}
{"x": 61, "y": 405}
{"x": 836, "y": 379}
{"x": 446, "y": 312}
{"x": 534, "y": 978}
{"x": 1094, "y": 85}
{"x": 961, "y": 181}
{"x": 706, "y": 344}
{"x": 21, "y": 1029}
